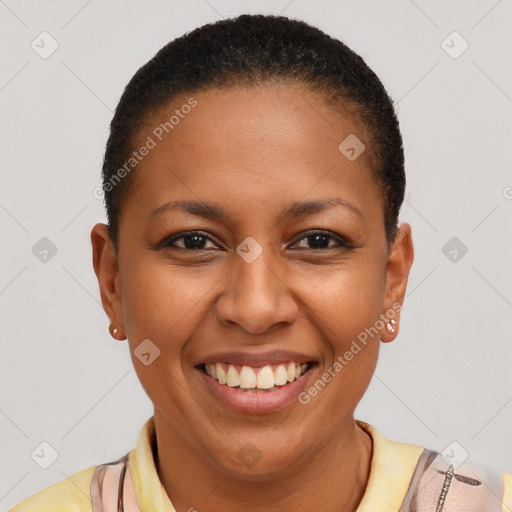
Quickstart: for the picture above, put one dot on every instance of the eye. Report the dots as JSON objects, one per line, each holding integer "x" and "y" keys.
{"x": 192, "y": 240}
{"x": 319, "y": 240}
{"x": 196, "y": 241}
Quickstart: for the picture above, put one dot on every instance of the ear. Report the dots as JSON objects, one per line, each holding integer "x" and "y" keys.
{"x": 106, "y": 267}
{"x": 401, "y": 256}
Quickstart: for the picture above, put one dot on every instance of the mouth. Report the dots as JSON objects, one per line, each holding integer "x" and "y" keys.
{"x": 254, "y": 388}
{"x": 250, "y": 379}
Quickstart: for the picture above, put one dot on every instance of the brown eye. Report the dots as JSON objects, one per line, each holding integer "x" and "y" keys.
{"x": 320, "y": 240}
{"x": 192, "y": 240}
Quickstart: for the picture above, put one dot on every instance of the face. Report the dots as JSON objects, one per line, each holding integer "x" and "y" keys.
{"x": 287, "y": 265}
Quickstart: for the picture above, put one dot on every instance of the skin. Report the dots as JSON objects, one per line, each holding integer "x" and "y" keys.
{"x": 254, "y": 151}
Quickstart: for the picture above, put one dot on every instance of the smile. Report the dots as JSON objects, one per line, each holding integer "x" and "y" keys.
{"x": 255, "y": 387}
{"x": 250, "y": 379}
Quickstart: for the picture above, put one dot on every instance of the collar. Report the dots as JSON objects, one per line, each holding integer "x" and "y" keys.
{"x": 150, "y": 492}
{"x": 391, "y": 471}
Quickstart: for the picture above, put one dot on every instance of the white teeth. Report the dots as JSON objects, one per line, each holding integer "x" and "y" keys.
{"x": 280, "y": 375}
{"x": 233, "y": 377}
{"x": 221, "y": 374}
{"x": 248, "y": 379}
{"x": 291, "y": 372}
{"x": 265, "y": 378}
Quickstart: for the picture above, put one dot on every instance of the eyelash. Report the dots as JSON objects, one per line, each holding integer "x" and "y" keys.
{"x": 168, "y": 243}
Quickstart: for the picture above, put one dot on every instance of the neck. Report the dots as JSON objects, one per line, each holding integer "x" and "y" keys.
{"x": 336, "y": 477}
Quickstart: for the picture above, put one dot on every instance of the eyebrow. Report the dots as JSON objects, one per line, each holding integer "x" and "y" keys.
{"x": 216, "y": 212}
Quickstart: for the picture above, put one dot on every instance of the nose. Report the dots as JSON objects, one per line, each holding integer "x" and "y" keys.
{"x": 256, "y": 297}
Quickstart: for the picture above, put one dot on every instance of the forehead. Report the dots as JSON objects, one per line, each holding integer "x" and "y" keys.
{"x": 280, "y": 116}
{"x": 259, "y": 144}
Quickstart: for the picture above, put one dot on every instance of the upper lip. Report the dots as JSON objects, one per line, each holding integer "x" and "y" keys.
{"x": 255, "y": 358}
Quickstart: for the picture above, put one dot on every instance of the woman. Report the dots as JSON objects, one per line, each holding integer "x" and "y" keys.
{"x": 253, "y": 260}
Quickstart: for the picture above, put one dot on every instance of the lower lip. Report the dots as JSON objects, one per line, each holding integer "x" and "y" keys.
{"x": 258, "y": 403}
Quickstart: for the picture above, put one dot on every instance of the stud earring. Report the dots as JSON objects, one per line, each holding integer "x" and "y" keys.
{"x": 390, "y": 325}
{"x": 114, "y": 332}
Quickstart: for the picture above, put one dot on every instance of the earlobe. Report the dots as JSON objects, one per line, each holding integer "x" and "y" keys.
{"x": 106, "y": 268}
{"x": 116, "y": 333}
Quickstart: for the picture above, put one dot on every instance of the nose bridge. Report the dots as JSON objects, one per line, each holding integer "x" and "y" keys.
{"x": 256, "y": 298}
{"x": 257, "y": 277}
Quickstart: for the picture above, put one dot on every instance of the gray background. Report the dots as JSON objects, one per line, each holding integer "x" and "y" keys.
{"x": 65, "y": 381}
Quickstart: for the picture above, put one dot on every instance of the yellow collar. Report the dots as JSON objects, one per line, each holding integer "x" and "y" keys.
{"x": 149, "y": 490}
{"x": 391, "y": 471}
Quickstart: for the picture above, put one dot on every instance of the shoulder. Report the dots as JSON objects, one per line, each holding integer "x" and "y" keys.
{"x": 424, "y": 479}
{"x": 71, "y": 494}
{"x": 442, "y": 481}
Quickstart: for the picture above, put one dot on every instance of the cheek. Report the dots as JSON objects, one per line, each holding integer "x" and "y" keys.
{"x": 345, "y": 301}
{"x": 164, "y": 305}
{"x": 161, "y": 302}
